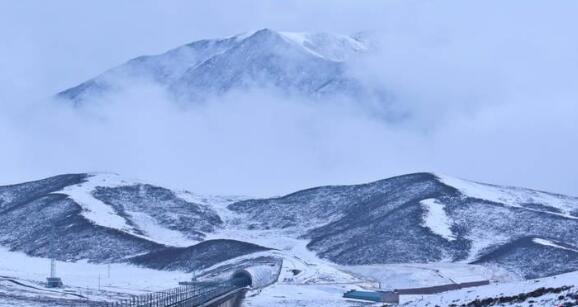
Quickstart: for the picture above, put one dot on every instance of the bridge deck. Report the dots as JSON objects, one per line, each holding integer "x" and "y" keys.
{"x": 191, "y": 295}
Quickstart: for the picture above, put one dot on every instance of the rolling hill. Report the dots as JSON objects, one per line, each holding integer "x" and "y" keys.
{"x": 415, "y": 218}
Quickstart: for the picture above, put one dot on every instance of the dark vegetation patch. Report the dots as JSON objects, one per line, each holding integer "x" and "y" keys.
{"x": 571, "y": 298}
{"x": 532, "y": 260}
{"x": 196, "y": 257}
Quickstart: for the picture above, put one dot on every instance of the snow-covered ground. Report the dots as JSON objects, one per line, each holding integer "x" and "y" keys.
{"x": 497, "y": 290}
{"x": 79, "y": 278}
{"x": 310, "y": 288}
{"x": 293, "y": 251}
{"x": 318, "y": 283}
{"x": 399, "y": 276}
{"x": 284, "y": 295}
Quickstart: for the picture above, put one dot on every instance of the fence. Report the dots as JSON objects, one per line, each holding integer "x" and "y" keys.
{"x": 184, "y": 296}
{"x": 441, "y": 288}
{"x": 393, "y": 296}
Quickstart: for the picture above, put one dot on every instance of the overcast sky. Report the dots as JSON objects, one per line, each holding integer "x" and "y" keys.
{"x": 491, "y": 87}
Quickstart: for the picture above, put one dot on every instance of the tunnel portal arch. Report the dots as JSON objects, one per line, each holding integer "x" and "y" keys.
{"x": 242, "y": 278}
{"x": 256, "y": 277}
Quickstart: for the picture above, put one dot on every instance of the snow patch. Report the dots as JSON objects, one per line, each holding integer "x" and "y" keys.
{"x": 218, "y": 203}
{"x": 327, "y": 46}
{"x": 513, "y": 196}
{"x": 242, "y": 36}
{"x": 301, "y": 39}
{"x": 158, "y": 233}
{"x": 436, "y": 219}
{"x": 551, "y": 244}
{"x": 102, "y": 214}
{"x": 95, "y": 210}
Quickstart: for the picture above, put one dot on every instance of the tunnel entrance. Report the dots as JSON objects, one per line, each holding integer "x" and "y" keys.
{"x": 242, "y": 278}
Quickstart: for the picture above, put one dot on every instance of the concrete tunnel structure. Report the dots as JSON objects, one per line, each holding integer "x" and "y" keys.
{"x": 255, "y": 277}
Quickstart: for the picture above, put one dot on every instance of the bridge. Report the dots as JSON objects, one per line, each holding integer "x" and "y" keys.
{"x": 205, "y": 294}
{"x": 222, "y": 293}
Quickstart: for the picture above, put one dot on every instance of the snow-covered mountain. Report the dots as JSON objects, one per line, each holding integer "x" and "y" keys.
{"x": 416, "y": 218}
{"x": 303, "y": 64}
{"x": 422, "y": 217}
{"x": 102, "y": 218}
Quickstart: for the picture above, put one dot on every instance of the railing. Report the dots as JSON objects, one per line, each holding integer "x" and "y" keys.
{"x": 184, "y": 296}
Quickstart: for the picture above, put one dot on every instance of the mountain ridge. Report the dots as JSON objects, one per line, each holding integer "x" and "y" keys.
{"x": 303, "y": 64}
{"x": 413, "y": 218}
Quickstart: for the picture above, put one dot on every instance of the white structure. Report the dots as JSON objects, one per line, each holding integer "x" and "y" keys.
{"x": 257, "y": 276}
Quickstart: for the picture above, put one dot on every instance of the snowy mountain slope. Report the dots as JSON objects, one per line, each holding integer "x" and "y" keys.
{"x": 98, "y": 217}
{"x": 309, "y": 64}
{"x": 159, "y": 213}
{"x": 196, "y": 257}
{"x": 53, "y": 225}
{"x": 415, "y": 218}
{"x": 36, "y": 220}
{"x": 163, "y": 69}
{"x": 419, "y": 218}
{"x": 14, "y": 195}
{"x": 153, "y": 213}
{"x": 517, "y": 197}
{"x": 304, "y": 209}
{"x": 540, "y": 257}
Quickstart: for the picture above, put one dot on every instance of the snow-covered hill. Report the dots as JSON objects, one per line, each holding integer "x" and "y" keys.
{"x": 422, "y": 217}
{"x": 330, "y": 234}
{"x": 414, "y": 218}
{"x": 101, "y": 218}
{"x": 304, "y": 64}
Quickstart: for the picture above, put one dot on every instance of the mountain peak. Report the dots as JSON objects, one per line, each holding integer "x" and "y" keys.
{"x": 262, "y": 40}
{"x": 266, "y": 31}
{"x": 299, "y": 63}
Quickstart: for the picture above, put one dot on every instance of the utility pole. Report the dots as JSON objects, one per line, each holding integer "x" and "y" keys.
{"x": 52, "y": 268}
{"x": 53, "y": 281}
